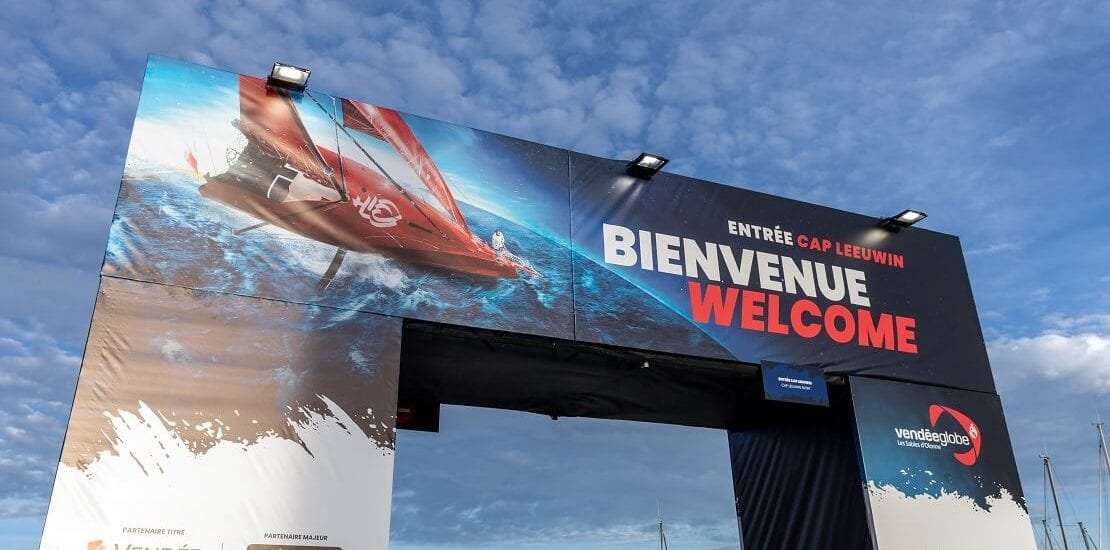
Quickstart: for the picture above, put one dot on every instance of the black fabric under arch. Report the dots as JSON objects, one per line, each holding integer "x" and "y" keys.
{"x": 797, "y": 480}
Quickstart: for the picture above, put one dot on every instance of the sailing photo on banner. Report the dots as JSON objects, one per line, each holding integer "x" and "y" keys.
{"x": 234, "y": 187}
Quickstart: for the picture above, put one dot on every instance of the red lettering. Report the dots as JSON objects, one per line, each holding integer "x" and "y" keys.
{"x": 774, "y": 323}
{"x": 712, "y": 303}
{"x": 801, "y": 328}
{"x": 876, "y": 335}
{"x": 751, "y": 306}
{"x": 907, "y": 338}
{"x": 839, "y": 335}
{"x": 763, "y": 312}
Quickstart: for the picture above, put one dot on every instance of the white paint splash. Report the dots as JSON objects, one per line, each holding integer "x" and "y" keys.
{"x": 231, "y": 495}
{"x": 947, "y": 522}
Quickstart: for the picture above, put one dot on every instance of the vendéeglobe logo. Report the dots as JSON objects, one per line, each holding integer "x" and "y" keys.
{"x": 926, "y": 438}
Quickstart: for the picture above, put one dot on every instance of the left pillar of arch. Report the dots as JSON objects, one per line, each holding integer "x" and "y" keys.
{"x": 206, "y": 420}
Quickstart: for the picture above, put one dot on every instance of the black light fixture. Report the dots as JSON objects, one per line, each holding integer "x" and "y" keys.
{"x": 646, "y": 165}
{"x": 905, "y": 219}
{"x": 288, "y": 77}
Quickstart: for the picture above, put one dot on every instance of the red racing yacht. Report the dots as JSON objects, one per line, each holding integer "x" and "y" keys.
{"x": 285, "y": 179}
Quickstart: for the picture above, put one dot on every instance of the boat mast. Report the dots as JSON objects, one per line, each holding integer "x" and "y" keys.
{"x": 1104, "y": 461}
{"x": 662, "y": 537}
{"x": 1048, "y": 544}
{"x": 1055, "y": 500}
{"x": 1086, "y": 536}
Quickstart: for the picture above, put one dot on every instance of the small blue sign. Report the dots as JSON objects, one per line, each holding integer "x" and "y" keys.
{"x": 794, "y": 383}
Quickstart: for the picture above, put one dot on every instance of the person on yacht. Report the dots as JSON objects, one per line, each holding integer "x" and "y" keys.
{"x": 498, "y": 242}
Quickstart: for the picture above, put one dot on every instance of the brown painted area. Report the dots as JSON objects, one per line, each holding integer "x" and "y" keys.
{"x": 196, "y": 357}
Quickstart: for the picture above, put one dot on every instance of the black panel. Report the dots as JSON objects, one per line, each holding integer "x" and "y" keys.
{"x": 480, "y": 368}
{"x": 643, "y": 307}
{"x": 797, "y": 479}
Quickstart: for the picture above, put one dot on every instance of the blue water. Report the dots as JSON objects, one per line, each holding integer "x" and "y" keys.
{"x": 165, "y": 231}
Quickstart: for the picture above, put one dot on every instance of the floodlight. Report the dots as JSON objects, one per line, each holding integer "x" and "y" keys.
{"x": 288, "y": 77}
{"x": 905, "y": 219}
{"x": 646, "y": 165}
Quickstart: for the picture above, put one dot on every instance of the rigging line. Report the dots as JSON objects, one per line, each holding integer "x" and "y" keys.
{"x": 312, "y": 146}
{"x": 1056, "y": 500}
{"x": 399, "y": 187}
{"x": 338, "y": 149}
{"x": 1088, "y": 540}
{"x": 1067, "y": 496}
{"x": 1045, "y": 482}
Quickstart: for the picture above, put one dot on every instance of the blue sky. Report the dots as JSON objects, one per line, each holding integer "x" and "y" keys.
{"x": 992, "y": 117}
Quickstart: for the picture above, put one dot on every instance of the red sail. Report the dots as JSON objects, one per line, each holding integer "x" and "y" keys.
{"x": 387, "y": 125}
{"x": 271, "y": 120}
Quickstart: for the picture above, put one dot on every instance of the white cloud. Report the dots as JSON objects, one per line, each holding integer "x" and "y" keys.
{"x": 36, "y": 379}
{"x": 1092, "y": 322}
{"x": 55, "y": 299}
{"x": 1006, "y": 246}
{"x": 70, "y": 230}
{"x": 1071, "y": 349}
{"x": 1054, "y": 385}
{"x": 1081, "y": 359}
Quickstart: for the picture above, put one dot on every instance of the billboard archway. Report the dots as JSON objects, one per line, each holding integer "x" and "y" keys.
{"x": 282, "y": 267}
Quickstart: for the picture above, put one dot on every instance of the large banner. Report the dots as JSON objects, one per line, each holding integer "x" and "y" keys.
{"x": 206, "y": 421}
{"x": 682, "y": 265}
{"x": 939, "y": 469}
{"x": 239, "y": 384}
{"x": 235, "y": 188}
